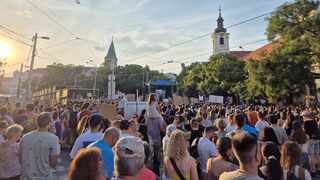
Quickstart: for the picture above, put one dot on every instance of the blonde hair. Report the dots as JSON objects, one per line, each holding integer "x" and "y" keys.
{"x": 177, "y": 146}
{"x": 13, "y": 129}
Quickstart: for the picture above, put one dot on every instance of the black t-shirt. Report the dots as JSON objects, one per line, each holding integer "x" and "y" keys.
{"x": 311, "y": 128}
{"x": 194, "y": 133}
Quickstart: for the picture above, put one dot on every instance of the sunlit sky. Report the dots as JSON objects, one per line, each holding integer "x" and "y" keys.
{"x": 142, "y": 29}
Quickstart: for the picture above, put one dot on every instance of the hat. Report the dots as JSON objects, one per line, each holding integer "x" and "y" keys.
{"x": 3, "y": 124}
{"x": 130, "y": 147}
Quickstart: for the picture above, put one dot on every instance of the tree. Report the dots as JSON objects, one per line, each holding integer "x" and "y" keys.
{"x": 222, "y": 75}
{"x": 280, "y": 76}
{"x": 298, "y": 23}
{"x": 285, "y": 73}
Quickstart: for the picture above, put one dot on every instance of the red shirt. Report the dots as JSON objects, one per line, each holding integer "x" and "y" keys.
{"x": 146, "y": 174}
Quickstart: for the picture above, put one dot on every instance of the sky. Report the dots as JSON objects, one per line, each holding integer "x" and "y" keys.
{"x": 143, "y": 31}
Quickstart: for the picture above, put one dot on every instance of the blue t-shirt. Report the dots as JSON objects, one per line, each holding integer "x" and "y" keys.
{"x": 107, "y": 156}
{"x": 250, "y": 130}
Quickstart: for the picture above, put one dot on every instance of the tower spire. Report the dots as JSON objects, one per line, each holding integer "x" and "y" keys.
{"x": 220, "y": 20}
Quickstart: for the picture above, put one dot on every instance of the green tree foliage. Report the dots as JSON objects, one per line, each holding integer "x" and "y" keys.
{"x": 283, "y": 74}
{"x": 222, "y": 75}
{"x": 65, "y": 76}
{"x": 130, "y": 77}
{"x": 298, "y": 23}
{"x": 279, "y": 76}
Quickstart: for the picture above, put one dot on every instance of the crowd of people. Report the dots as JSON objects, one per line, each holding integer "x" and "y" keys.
{"x": 164, "y": 141}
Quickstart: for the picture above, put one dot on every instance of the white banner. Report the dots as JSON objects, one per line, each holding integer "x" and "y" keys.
{"x": 216, "y": 99}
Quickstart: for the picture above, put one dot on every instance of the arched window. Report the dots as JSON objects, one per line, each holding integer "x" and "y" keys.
{"x": 221, "y": 41}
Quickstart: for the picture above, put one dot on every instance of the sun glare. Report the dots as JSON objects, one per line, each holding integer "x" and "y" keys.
{"x": 5, "y": 50}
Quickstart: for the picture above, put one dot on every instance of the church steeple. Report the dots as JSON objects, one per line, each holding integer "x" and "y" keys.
{"x": 220, "y": 37}
{"x": 111, "y": 55}
{"x": 220, "y": 20}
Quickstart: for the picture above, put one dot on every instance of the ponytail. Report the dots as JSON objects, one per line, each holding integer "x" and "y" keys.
{"x": 273, "y": 169}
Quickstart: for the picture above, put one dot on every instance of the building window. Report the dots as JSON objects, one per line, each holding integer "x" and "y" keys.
{"x": 221, "y": 41}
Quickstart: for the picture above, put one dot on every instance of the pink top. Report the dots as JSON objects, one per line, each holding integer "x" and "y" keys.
{"x": 146, "y": 174}
{"x": 9, "y": 166}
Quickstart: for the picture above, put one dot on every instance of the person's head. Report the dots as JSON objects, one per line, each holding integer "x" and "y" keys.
{"x": 231, "y": 119}
{"x": 290, "y": 155}
{"x": 116, "y": 124}
{"x": 273, "y": 119}
{"x": 239, "y": 120}
{"x": 124, "y": 125}
{"x": 111, "y": 135}
{"x": 177, "y": 146}
{"x": 30, "y": 107}
{"x": 224, "y": 148}
{"x": 246, "y": 149}
{"x": 170, "y": 129}
{"x": 133, "y": 127}
{"x": 152, "y": 98}
{"x": 298, "y": 135}
{"x": 208, "y": 132}
{"x": 194, "y": 123}
{"x": 14, "y": 132}
{"x": 3, "y": 126}
{"x": 129, "y": 157}
{"x": 178, "y": 120}
{"x": 95, "y": 121}
{"x": 261, "y": 115}
{"x": 221, "y": 124}
{"x": 271, "y": 156}
{"x": 86, "y": 165}
{"x": 85, "y": 106}
{"x": 44, "y": 120}
{"x": 268, "y": 134}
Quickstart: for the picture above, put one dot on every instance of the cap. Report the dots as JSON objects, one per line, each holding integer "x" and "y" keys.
{"x": 130, "y": 147}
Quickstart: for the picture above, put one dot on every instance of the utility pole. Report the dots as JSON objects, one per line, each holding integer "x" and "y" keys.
{"x": 33, "y": 55}
{"x": 19, "y": 82}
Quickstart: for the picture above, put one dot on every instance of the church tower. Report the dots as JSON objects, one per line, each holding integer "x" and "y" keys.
{"x": 220, "y": 37}
{"x": 111, "y": 62}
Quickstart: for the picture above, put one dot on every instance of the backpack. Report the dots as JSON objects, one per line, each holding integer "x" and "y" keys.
{"x": 291, "y": 175}
{"x": 194, "y": 148}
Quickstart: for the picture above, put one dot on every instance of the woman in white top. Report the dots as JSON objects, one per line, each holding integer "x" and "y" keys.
{"x": 290, "y": 162}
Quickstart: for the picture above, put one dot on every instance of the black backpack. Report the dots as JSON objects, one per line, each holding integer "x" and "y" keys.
{"x": 194, "y": 148}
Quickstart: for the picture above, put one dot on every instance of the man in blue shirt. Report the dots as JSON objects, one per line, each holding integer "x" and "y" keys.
{"x": 110, "y": 137}
{"x": 242, "y": 126}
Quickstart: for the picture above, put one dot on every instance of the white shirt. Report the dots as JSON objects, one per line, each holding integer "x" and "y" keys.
{"x": 83, "y": 141}
{"x": 260, "y": 125}
{"x": 230, "y": 128}
{"x": 206, "y": 150}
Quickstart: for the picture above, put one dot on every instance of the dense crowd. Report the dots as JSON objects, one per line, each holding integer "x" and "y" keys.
{"x": 164, "y": 141}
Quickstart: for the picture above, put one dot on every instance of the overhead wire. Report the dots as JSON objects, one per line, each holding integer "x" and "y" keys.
{"x": 199, "y": 37}
{"x": 15, "y": 39}
{"x": 52, "y": 18}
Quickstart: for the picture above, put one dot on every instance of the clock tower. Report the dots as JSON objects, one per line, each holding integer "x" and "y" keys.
{"x": 220, "y": 37}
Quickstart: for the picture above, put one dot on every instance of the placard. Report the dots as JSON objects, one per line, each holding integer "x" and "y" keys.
{"x": 216, "y": 99}
{"x": 108, "y": 111}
